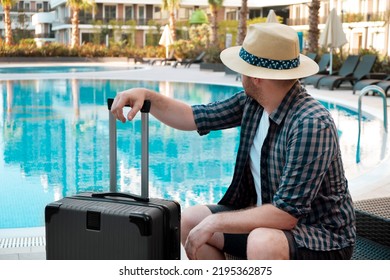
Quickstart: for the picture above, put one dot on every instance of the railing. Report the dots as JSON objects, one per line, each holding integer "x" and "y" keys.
{"x": 364, "y": 91}
{"x": 345, "y": 17}
{"x": 50, "y": 35}
{"x": 381, "y": 92}
{"x": 20, "y": 10}
{"x": 90, "y": 20}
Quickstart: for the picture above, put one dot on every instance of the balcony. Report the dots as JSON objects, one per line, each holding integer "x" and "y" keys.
{"x": 21, "y": 11}
{"x": 100, "y": 20}
{"x": 49, "y": 35}
{"x": 41, "y": 18}
{"x": 345, "y": 17}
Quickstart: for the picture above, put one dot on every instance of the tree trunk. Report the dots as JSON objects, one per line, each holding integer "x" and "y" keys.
{"x": 172, "y": 24}
{"x": 214, "y": 25}
{"x": 314, "y": 32}
{"x": 7, "y": 22}
{"x": 75, "y": 28}
{"x": 242, "y": 22}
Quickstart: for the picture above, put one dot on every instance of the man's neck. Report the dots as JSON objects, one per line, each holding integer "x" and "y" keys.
{"x": 274, "y": 95}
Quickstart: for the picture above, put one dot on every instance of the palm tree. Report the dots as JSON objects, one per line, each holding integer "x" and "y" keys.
{"x": 314, "y": 32}
{"x": 214, "y": 7}
{"x": 7, "y": 5}
{"x": 242, "y": 22}
{"x": 171, "y": 6}
{"x": 77, "y": 6}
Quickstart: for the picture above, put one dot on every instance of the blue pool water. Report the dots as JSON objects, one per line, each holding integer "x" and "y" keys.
{"x": 54, "y": 143}
{"x": 61, "y": 69}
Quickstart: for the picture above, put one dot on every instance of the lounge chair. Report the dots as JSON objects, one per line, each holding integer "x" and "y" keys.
{"x": 189, "y": 61}
{"x": 139, "y": 59}
{"x": 165, "y": 61}
{"x": 346, "y": 69}
{"x": 361, "y": 72}
{"x": 385, "y": 85}
{"x": 372, "y": 79}
{"x": 312, "y": 55}
{"x": 323, "y": 71}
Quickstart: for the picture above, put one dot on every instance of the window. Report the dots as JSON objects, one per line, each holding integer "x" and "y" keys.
{"x": 231, "y": 15}
{"x": 141, "y": 12}
{"x": 85, "y": 16}
{"x": 255, "y": 13}
{"x": 109, "y": 12}
{"x": 46, "y": 6}
{"x": 129, "y": 12}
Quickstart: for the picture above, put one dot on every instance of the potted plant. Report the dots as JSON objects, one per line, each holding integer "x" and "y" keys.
{"x": 212, "y": 61}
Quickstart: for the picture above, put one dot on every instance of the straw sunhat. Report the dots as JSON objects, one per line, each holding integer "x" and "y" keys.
{"x": 269, "y": 51}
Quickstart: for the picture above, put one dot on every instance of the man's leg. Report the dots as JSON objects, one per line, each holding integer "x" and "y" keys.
{"x": 190, "y": 218}
{"x": 268, "y": 244}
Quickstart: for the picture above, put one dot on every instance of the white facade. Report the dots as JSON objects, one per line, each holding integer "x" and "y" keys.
{"x": 22, "y": 12}
{"x": 369, "y": 29}
{"x": 365, "y": 22}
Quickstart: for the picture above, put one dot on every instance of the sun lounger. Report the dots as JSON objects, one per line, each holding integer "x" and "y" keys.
{"x": 353, "y": 74}
{"x": 385, "y": 85}
{"x": 189, "y": 61}
{"x": 346, "y": 69}
{"x": 164, "y": 61}
{"x": 323, "y": 71}
{"x": 372, "y": 79}
{"x": 312, "y": 55}
{"x": 139, "y": 59}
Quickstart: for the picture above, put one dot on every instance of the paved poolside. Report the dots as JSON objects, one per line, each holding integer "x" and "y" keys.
{"x": 29, "y": 243}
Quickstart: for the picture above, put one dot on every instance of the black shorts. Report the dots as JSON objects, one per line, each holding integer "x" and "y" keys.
{"x": 235, "y": 244}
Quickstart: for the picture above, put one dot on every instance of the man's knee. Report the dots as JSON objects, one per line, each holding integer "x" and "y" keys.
{"x": 266, "y": 243}
{"x": 191, "y": 217}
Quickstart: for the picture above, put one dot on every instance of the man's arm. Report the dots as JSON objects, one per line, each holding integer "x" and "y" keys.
{"x": 241, "y": 221}
{"x": 168, "y": 110}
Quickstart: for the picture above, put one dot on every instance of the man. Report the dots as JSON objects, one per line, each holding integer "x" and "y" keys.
{"x": 289, "y": 197}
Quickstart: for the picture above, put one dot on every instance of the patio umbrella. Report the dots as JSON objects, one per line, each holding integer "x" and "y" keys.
{"x": 333, "y": 35}
{"x": 166, "y": 40}
{"x": 271, "y": 17}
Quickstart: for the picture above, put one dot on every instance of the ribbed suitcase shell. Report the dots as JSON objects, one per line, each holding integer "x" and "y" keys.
{"x": 85, "y": 227}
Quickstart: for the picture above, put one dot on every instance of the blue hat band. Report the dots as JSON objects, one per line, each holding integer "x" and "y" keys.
{"x": 269, "y": 63}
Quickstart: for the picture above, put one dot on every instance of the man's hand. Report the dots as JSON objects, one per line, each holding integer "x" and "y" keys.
{"x": 134, "y": 98}
{"x": 199, "y": 236}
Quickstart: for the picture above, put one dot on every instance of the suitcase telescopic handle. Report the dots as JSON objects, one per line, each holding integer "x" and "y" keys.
{"x": 145, "y": 108}
{"x": 121, "y": 195}
{"x": 144, "y": 153}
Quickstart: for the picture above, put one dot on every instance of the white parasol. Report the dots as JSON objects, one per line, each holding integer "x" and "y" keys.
{"x": 333, "y": 35}
{"x": 166, "y": 40}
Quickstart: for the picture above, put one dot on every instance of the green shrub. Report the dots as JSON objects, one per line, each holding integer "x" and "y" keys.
{"x": 213, "y": 55}
{"x": 185, "y": 49}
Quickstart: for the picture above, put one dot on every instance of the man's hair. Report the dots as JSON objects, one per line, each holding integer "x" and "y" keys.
{"x": 286, "y": 82}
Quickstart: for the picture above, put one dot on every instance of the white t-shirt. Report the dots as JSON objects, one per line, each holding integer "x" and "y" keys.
{"x": 255, "y": 153}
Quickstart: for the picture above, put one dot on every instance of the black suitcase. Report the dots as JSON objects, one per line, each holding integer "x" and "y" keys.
{"x": 91, "y": 226}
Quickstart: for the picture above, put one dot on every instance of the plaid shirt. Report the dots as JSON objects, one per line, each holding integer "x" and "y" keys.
{"x": 301, "y": 167}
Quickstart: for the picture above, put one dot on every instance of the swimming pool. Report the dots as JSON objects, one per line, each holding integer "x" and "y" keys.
{"x": 54, "y": 143}
{"x": 62, "y": 69}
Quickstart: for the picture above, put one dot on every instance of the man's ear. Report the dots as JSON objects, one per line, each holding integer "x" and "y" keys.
{"x": 257, "y": 81}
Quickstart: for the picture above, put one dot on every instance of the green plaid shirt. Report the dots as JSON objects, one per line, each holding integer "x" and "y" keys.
{"x": 301, "y": 167}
